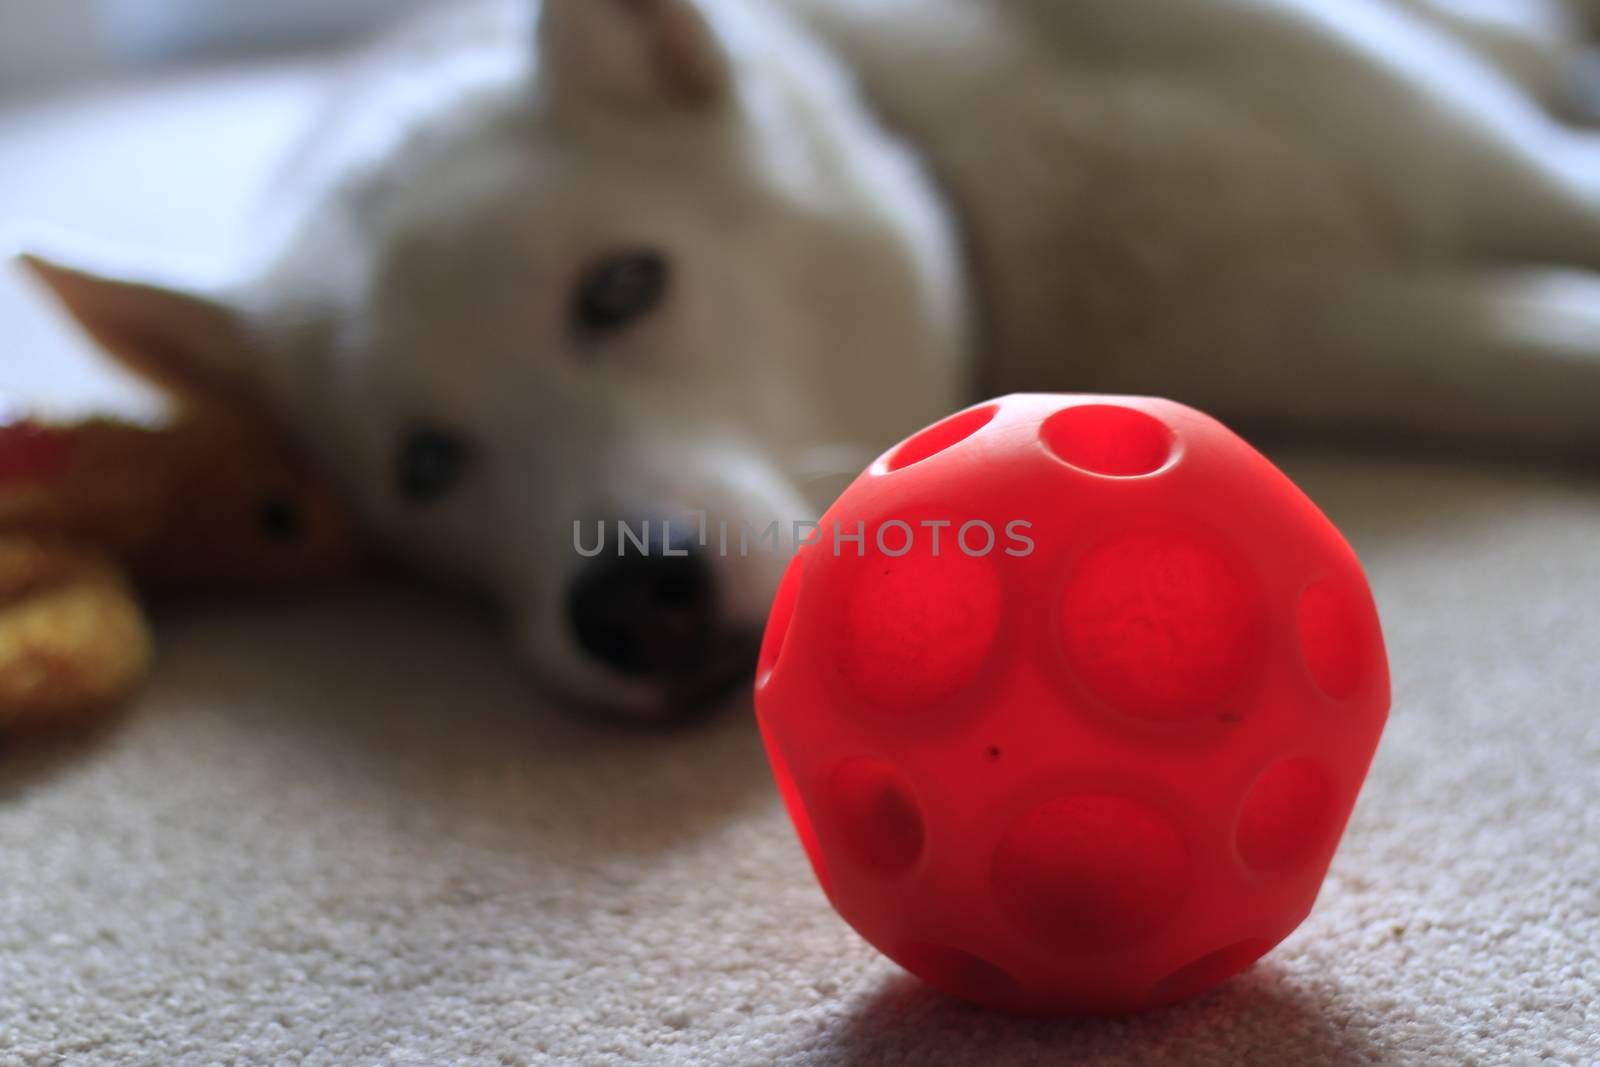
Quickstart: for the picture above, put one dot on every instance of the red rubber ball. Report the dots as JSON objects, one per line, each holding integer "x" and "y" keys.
{"x": 1070, "y": 698}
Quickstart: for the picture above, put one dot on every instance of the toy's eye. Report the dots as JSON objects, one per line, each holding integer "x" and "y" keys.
{"x": 432, "y": 465}
{"x": 620, "y": 290}
{"x": 280, "y": 521}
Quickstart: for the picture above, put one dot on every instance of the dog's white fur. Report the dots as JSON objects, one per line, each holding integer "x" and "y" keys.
{"x": 1290, "y": 212}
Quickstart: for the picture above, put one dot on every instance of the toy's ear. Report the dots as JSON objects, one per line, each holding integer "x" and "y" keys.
{"x": 175, "y": 334}
{"x": 634, "y": 54}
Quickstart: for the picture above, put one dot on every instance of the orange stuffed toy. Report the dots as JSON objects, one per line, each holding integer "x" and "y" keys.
{"x": 96, "y": 514}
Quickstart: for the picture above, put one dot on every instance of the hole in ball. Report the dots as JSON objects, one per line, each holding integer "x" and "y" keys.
{"x": 1160, "y": 626}
{"x": 875, "y": 817}
{"x": 1330, "y": 640}
{"x": 960, "y": 973}
{"x": 941, "y": 436}
{"x": 916, "y": 630}
{"x": 1208, "y": 971}
{"x": 1087, "y": 873}
{"x": 1285, "y": 816}
{"x": 778, "y": 621}
{"x": 1108, "y": 440}
{"x": 796, "y": 806}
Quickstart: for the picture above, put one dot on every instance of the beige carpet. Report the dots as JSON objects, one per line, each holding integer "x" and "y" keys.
{"x": 346, "y": 833}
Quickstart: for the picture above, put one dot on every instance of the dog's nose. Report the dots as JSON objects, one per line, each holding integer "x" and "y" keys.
{"x": 647, "y": 614}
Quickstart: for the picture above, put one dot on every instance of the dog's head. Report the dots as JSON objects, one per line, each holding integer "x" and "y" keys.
{"x": 639, "y": 271}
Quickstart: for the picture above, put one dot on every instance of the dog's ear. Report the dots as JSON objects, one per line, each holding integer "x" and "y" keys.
{"x": 635, "y": 54}
{"x": 178, "y": 334}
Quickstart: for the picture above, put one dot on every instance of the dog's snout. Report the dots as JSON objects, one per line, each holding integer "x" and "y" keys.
{"x": 647, "y": 614}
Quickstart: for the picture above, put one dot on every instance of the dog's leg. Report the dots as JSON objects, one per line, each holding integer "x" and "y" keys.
{"x": 1533, "y": 42}
{"x": 1535, "y": 199}
{"x": 1500, "y": 364}
{"x": 1519, "y": 181}
{"x": 1503, "y": 362}
{"x": 1587, "y": 14}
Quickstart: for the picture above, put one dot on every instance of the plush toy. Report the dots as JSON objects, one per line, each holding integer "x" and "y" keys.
{"x": 97, "y": 514}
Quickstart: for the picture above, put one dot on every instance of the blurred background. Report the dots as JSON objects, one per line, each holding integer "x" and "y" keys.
{"x": 50, "y": 43}
{"x": 148, "y": 125}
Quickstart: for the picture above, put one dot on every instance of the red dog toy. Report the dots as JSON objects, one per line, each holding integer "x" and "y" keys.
{"x": 1071, "y": 701}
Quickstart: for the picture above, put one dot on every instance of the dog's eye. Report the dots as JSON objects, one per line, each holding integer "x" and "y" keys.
{"x": 279, "y": 521}
{"x": 432, "y": 465}
{"x": 620, "y": 290}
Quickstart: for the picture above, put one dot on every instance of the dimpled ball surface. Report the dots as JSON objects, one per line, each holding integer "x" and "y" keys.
{"x": 1094, "y": 775}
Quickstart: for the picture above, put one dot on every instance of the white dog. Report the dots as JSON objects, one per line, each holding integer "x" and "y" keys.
{"x": 645, "y": 258}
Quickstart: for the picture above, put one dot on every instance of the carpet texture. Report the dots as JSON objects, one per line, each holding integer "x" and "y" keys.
{"x": 345, "y": 832}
